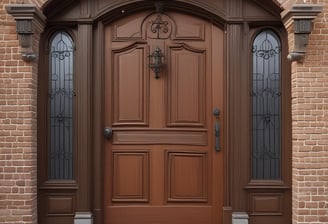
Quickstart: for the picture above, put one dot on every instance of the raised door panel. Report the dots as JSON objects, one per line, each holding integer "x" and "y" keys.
{"x": 186, "y": 101}
{"x": 130, "y": 86}
{"x": 60, "y": 205}
{"x": 57, "y": 206}
{"x": 187, "y": 179}
{"x": 130, "y": 176}
{"x": 129, "y": 28}
{"x": 189, "y": 28}
{"x": 266, "y": 204}
{"x": 155, "y": 136}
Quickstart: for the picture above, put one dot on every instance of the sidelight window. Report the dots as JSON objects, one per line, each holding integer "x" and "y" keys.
{"x": 61, "y": 94}
{"x": 266, "y": 106}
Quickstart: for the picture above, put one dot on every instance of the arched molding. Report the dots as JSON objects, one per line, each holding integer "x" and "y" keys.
{"x": 30, "y": 19}
{"x": 114, "y": 12}
{"x": 219, "y": 12}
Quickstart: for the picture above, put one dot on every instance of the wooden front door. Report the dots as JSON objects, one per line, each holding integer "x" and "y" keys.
{"x": 161, "y": 162}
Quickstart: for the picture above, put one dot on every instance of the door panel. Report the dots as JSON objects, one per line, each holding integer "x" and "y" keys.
{"x": 186, "y": 86}
{"x": 130, "y": 176}
{"x": 155, "y": 136}
{"x": 160, "y": 164}
{"x": 130, "y": 89}
{"x": 187, "y": 176}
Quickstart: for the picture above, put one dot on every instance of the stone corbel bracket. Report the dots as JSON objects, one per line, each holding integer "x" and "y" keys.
{"x": 300, "y": 16}
{"x": 29, "y": 21}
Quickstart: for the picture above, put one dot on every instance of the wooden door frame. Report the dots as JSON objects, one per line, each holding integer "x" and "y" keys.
{"x": 89, "y": 21}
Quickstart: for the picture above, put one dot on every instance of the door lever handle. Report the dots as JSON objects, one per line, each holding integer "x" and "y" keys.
{"x": 217, "y": 130}
{"x": 108, "y": 133}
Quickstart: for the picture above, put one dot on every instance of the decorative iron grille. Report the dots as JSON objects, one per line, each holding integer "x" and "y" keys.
{"x": 61, "y": 96}
{"x": 266, "y": 111}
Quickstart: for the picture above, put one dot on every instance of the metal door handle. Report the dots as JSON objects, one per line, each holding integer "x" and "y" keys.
{"x": 108, "y": 132}
{"x": 216, "y": 113}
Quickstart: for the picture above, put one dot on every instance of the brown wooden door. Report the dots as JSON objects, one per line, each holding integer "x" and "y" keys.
{"x": 160, "y": 164}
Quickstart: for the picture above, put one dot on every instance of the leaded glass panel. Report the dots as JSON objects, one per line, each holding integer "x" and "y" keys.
{"x": 61, "y": 106}
{"x": 266, "y": 106}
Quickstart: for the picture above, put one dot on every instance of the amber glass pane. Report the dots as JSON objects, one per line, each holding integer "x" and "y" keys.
{"x": 61, "y": 107}
{"x": 266, "y": 105}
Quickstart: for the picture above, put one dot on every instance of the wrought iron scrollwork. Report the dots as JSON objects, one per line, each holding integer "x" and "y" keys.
{"x": 266, "y": 113}
{"x": 61, "y": 94}
{"x": 159, "y": 26}
{"x": 266, "y": 50}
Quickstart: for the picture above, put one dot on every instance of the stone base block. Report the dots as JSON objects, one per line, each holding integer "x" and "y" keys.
{"x": 239, "y": 218}
{"x": 83, "y": 218}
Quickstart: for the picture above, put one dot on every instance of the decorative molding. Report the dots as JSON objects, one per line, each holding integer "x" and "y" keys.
{"x": 300, "y": 16}
{"x": 29, "y": 20}
{"x": 227, "y": 215}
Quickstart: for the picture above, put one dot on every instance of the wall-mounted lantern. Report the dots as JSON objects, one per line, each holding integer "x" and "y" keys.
{"x": 156, "y": 61}
{"x": 299, "y": 18}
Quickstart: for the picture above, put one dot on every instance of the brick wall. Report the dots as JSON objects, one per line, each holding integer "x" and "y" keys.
{"x": 18, "y": 106}
{"x": 18, "y": 84}
{"x": 310, "y": 127}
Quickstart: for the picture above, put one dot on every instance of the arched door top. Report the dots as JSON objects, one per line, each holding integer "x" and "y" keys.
{"x": 217, "y": 11}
